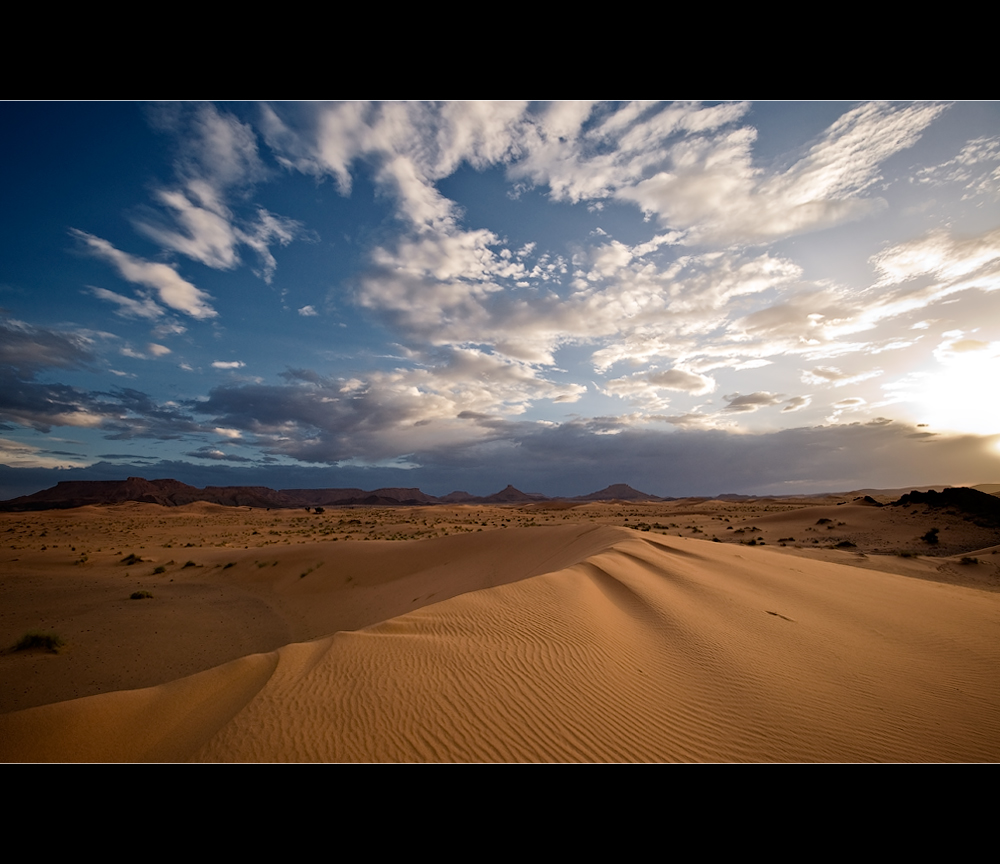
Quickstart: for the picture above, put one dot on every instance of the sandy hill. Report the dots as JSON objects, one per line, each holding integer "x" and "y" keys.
{"x": 571, "y": 642}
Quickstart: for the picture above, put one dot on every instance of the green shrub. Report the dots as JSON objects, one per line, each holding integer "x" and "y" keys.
{"x": 49, "y": 641}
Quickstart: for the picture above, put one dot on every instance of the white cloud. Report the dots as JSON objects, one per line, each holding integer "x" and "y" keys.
{"x": 129, "y": 307}
{"x": 796, "y": 403}
{"x": 712, "y": 189}
{"x": 307, "y": 311}
{"x": 228, "y": 364}
{"x": 647, "y": 388}
{"x": 218, "y": 156}
{"x": 939, "y": 254}
{"x": 157, "y": 350}
{"x": 19, "y": 455}
{"x": 461, "y": 395}
{"x": 833, "y": 375}
{"x": 974, "y": 168}
{"x": 584, "y": 151}
{"x": 739, "y": 404}
{"x": 173, "y": 291}
{"x": 206, "y": 232}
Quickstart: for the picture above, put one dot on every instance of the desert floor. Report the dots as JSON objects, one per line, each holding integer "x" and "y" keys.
{"x": 813, "y": 630}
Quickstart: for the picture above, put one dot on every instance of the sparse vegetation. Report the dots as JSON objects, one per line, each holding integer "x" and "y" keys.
{"x": 140, "y": 595}
{"x": 47, "y": 641}
{"x": 968, "y": 559}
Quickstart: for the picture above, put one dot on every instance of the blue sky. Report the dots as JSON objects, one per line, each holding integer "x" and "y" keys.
{"x": 688, "y": 297}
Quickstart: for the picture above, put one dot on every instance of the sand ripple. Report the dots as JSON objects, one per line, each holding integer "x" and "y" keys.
{"x": 645, "y": 650}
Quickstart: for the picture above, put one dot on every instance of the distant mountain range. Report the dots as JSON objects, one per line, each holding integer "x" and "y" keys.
{"x": 173, "y": 493}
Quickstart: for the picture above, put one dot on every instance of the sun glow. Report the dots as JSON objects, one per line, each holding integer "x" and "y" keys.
{"x": 958, "y": 397}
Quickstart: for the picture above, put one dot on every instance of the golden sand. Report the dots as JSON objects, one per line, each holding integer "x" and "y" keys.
{"x": 514, "y": 634}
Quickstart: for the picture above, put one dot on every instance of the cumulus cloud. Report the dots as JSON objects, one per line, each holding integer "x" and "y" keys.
{"x": 173, "y": 291}
{"x": 690, "y": 164}
{"x": 318, "y": 419}
{"x": 441, "y": 284}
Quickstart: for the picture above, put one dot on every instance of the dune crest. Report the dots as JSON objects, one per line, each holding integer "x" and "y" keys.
{"x": 643, "y": 649}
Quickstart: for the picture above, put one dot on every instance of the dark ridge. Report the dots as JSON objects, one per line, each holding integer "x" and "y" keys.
{"x": 978, "y": 506}
{"x": 618, "y": 492}
{"x": 510, "y": 495}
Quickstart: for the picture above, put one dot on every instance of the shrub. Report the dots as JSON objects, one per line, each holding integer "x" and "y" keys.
{"x": 931, "y": 537}
{"x": 131, "y": 559}
{"x": 160, "y": 569}
{"x": 140, "y": 595}
{"x": 968, "y": 559}
{"x": 49, "y": 641}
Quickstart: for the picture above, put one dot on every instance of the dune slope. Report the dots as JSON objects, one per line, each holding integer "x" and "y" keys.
{"x": 647, "y": 648}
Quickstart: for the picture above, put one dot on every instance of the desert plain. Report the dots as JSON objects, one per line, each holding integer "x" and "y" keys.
{"x": 698, "y": 630}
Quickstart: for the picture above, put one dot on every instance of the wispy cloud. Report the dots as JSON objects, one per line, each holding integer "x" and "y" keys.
{"x": 174, "y": 291}
{"x": 217, "y": 160}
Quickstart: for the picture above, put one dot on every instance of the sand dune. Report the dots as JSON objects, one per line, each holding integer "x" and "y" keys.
{"x": 576, "y": 643}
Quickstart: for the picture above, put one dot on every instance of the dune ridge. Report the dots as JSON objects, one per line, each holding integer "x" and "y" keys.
{"x": 629, "y": 648}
